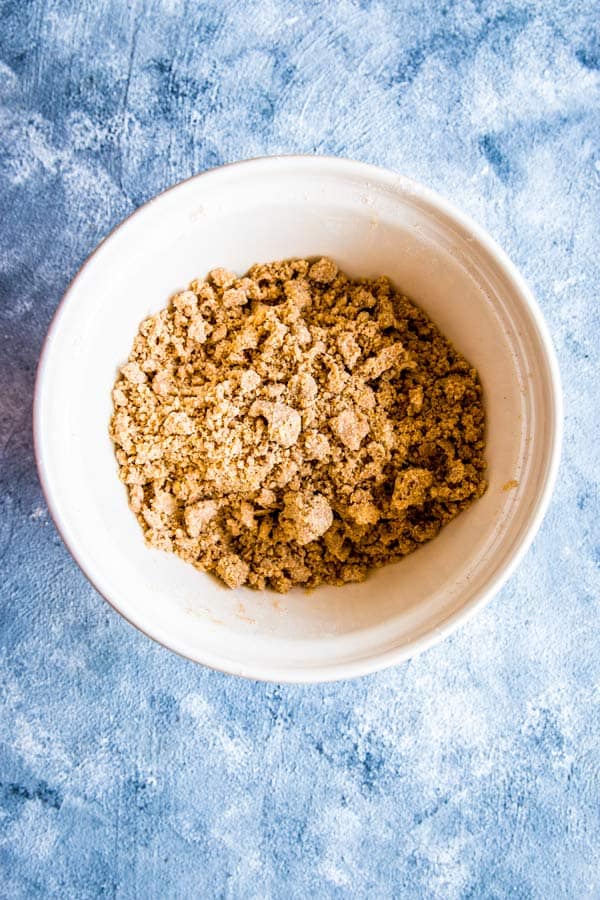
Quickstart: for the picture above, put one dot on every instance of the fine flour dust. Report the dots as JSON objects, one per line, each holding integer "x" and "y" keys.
{"x": 295, "y": 426}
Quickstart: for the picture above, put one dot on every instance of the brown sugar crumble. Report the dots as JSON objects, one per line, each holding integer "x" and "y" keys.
{"x": 295, "y": 426}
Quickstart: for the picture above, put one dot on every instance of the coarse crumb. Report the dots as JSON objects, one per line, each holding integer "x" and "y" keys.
{"x": 295, "y": 426}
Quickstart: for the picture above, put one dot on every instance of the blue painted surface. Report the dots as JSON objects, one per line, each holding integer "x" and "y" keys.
{"x": 472, "y": 771}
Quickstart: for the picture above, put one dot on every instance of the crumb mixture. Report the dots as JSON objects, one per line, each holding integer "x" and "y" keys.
{"x": 295, "y": 426}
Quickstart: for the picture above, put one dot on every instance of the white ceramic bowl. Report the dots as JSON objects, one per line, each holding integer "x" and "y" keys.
{"x": 371, "y": 221}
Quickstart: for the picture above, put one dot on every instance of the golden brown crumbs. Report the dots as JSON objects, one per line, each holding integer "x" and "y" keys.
{"x": 295, "y": 426}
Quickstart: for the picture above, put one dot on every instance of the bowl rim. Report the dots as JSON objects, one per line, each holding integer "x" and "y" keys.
{"x": 375, "y": 662}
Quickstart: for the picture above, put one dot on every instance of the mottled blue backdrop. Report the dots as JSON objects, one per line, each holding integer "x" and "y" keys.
{"x": 470, "y": 772}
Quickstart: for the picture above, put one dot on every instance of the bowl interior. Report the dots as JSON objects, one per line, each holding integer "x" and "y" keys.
{"x": 371, "y": 222}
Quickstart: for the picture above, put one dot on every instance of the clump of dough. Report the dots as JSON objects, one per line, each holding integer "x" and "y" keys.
{"x": 305, "y": 517}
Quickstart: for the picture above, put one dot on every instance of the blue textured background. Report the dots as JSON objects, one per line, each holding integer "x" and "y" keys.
{"x": 472, "y": 771}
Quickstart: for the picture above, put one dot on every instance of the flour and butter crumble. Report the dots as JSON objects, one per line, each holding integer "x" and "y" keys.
{"x": 295, "y": 426}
